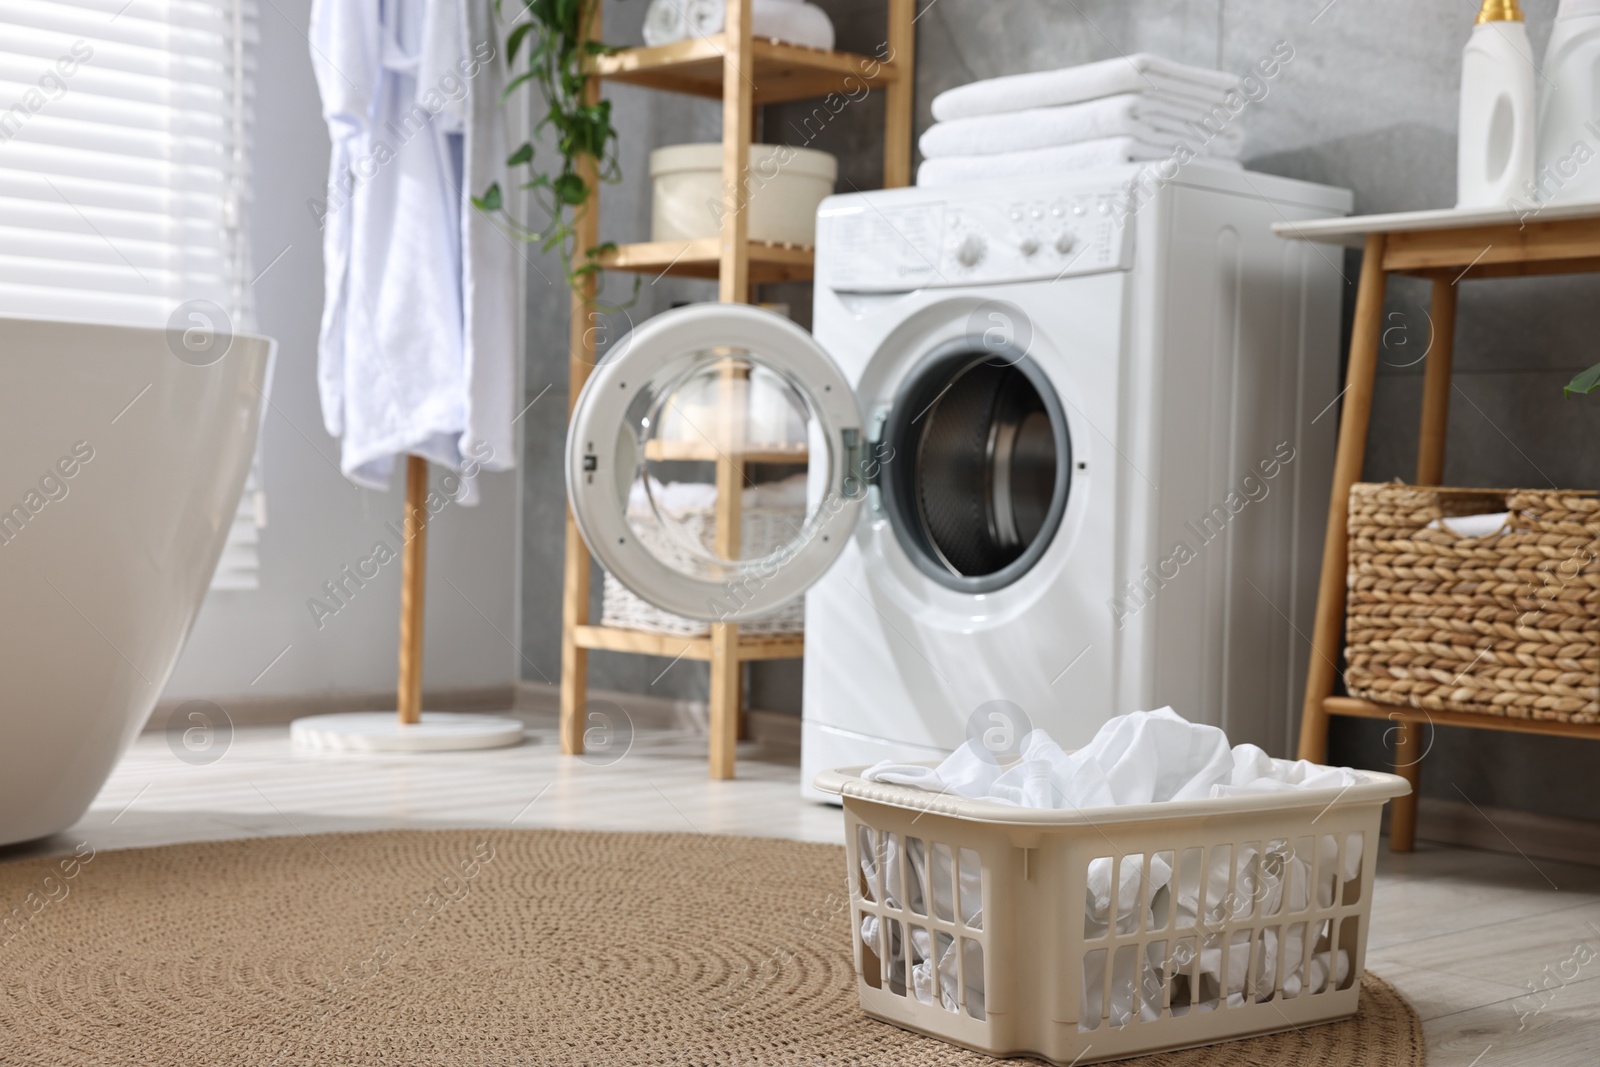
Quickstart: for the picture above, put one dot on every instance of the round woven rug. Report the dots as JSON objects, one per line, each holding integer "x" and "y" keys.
{"x": 484, "y": 947}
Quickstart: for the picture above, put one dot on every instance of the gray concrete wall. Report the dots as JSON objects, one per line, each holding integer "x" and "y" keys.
{"x": 1368, "y": 102}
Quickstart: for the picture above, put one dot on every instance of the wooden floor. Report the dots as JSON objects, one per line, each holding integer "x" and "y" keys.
{"x": 1467, "y": 936}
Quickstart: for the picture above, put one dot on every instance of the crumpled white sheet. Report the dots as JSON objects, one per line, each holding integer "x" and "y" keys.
{"x": 1140, "y": 758}
{"x": 970, "y": 892}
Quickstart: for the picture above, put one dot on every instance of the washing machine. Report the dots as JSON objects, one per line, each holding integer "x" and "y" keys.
{"x": 1057, "y": 449}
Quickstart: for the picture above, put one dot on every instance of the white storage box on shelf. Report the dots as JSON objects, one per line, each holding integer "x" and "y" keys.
{"x": 1053, "y": 982}
{"x": 785, "y": 188}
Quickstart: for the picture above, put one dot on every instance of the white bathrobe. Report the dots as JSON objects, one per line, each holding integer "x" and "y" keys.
{"x": 417, "y": 352}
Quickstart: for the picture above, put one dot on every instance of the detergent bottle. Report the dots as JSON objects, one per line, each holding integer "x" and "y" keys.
{"x": 1495, "y": 153}
{"x": 1568, "y": 160}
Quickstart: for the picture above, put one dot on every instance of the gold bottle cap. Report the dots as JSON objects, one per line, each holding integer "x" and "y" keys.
{"x": 1499, "y": 11}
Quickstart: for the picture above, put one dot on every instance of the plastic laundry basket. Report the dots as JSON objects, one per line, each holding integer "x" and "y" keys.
{"x": 1026, "y": 969}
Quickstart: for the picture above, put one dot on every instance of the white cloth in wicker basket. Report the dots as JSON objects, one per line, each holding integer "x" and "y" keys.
{"x": 770, "y": 517}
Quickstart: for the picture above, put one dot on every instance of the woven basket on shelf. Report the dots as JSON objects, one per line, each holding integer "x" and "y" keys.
{"x": 1507, "y": 624}
{"x": 761, "y": 530}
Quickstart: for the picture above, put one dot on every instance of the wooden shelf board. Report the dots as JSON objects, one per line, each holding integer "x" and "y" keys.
{"x": 705, "y": 452}
{"x": 702, "y": 259}
{"x": 1520, "y": 269}
{"x": 1351, "y": 230}
{"x": 1366, "y": 709}
{"x": 771, "y": 646}
{"x": 671, "y": 646}
{"x": 1567, "y": 245}
{"x": 782, "y": 71}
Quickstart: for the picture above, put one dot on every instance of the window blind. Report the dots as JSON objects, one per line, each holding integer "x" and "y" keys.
{"x": 124, "y": 172}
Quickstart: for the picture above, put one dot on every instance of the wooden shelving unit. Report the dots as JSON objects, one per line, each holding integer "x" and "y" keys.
{"x": 779, "y": 71}
{"x": 706, "y": 452}
{"x": 745, "y": 73}
{"x": 1446, "y": 247}
{"x": 703, "y": 259}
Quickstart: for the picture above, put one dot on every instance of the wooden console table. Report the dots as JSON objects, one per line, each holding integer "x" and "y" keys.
{"x": 1446, "y": 247}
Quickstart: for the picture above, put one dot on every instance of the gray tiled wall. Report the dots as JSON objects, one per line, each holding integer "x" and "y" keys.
{"x": 1368, "y": 102}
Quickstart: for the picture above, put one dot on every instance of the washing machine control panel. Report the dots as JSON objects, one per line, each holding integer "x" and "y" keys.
{"x": 897, "y": 248}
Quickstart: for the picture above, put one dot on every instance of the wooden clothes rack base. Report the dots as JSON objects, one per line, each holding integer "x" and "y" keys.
{"x": 1447, "y": 248}
{"x": 407, "y": 730}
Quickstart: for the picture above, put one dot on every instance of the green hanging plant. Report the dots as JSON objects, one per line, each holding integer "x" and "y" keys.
{"x": 558, "y": 49}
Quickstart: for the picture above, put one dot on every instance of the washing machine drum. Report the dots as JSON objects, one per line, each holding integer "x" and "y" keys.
{"x": 981, "y": 466}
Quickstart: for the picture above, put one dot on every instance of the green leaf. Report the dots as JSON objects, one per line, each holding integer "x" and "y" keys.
{"x": 521, "y": 155}
{"x": 491, "y": 200}
{"x": 1585, "y": 383}
{"x": 511, "y": 86}
{"x": 570, "y": 189}
{"x": 514, "y": 41}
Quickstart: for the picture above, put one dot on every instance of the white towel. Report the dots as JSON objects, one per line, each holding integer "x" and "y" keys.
{"x": 1472, "y": 525}
{"x": 1105, "y": 152}
{"x": 1152, "y": 118}
{"x": 1138, "y": 73}
{"x": 793, "y": 21}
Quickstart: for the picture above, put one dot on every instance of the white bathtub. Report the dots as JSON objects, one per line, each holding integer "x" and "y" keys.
{"x": 120, "y": 471}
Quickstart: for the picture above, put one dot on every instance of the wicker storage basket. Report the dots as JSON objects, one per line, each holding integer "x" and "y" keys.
{"x": 761, "y": 530}
{"x": 1507, "y": 624}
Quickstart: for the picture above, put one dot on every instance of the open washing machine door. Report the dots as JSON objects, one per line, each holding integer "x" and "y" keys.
{"x": 716, "y": 461}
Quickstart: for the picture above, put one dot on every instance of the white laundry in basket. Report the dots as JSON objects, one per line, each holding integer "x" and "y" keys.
{"x": 971, "y": 894}
{"x": 1140, "y": 758}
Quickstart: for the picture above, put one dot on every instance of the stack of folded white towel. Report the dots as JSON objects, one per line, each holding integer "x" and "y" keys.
{"x": 1125, "y": 110}
{"x": 790, "y": 21}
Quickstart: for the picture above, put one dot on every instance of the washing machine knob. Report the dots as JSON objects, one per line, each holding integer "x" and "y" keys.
{"x": 969, "y": 253}
{"x": 1029, "y": 246}
{"x": 1066, "y": 243}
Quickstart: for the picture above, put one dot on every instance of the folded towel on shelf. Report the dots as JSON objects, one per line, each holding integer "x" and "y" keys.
{"x": 792, "y": 21}
{"x": 1138, "y": 73}
{"x": 1105, "y": 152}
{"x": 1152, "y": 118}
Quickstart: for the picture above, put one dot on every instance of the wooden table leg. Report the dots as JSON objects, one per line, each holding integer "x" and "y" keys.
{"x": 1408, "y": 765}
{"x": 1436, "y": 384}
{"x": 1353, "y": 420}
{"x": 1430, "y": 471}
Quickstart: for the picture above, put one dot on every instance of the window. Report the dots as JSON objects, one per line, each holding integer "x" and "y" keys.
{"x": 124, "y": 152}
